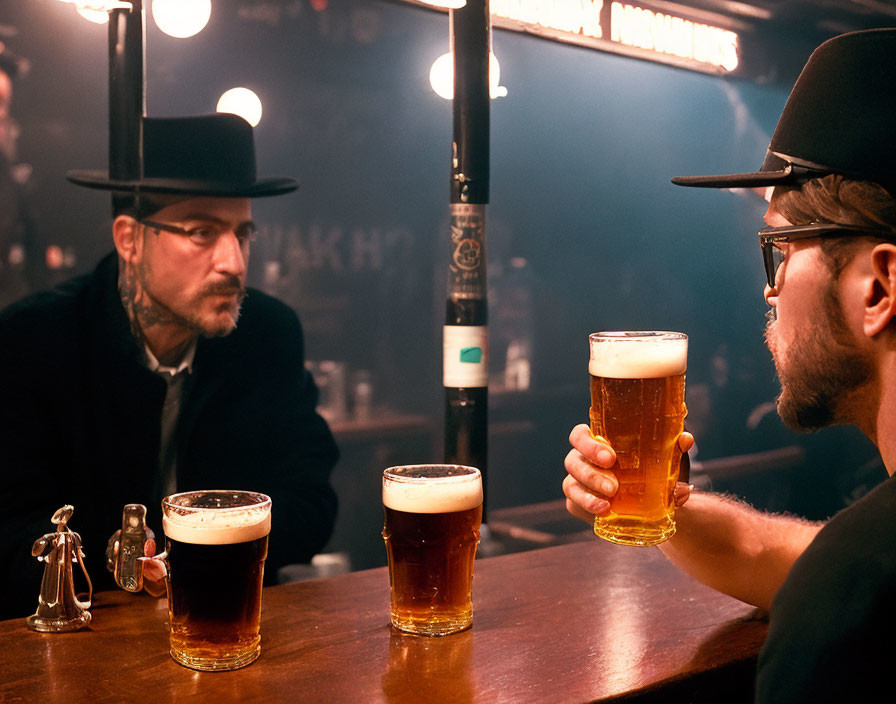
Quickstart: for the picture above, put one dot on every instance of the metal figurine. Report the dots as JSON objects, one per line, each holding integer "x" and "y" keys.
{"x": 58, "y": 607}
{"x": 126, "y": 547}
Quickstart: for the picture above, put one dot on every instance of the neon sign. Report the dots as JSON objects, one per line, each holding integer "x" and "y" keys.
{"x": 633, "y": 29}
{"x": 666, "y": 34}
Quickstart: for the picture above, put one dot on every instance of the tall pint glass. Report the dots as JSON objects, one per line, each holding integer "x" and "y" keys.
{"x": 637, "y": 406}
{"x": 431, "y": 529}
{"x": 216, "y": 544}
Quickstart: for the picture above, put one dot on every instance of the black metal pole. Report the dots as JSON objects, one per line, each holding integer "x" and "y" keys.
{"x": 127, "y": 89}
{"x": 465, "y": 363}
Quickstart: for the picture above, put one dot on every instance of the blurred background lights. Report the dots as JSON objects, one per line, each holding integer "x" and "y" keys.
{"x": 441, "y": 77}
{"x": 242, "y": 102}
{"x": 181, "y": 18}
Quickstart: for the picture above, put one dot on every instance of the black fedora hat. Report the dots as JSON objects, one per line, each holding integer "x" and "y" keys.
{"x": 840, "y": 118}
{"x": 202, "y": 155}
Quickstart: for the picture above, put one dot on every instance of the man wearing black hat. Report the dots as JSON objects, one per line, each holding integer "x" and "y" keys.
{"x": 830, "y": 257}
{"x": 160, "y": 371}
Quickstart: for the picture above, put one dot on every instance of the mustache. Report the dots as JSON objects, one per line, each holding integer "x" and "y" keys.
{"x": 229, "y": 286}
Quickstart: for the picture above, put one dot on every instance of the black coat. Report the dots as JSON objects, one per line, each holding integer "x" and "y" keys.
{"x": 80, "y": 424}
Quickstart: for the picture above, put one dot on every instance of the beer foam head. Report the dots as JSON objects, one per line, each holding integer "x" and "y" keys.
{"x": 638, "y": 355}
{"x": 432, "y": 488}
{"x": 192, "y": 518}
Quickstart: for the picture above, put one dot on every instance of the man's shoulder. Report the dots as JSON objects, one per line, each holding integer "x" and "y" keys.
{"x": 55, "y": 314}
{"x": 45, "y": 310}
{"x": 267, "y": 328}
{"x": 861, "y": 534}
{"x": 263, "y": 315}
{"x": 835, "y": 608}
{"x": 62, "y": 300}
{"x": 266, "y": 342}
{"x": 851, "y": 558}
{"x": 264, "y": 304}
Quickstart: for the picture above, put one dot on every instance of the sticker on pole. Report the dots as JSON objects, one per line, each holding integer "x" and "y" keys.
{"x": 465, "y": 356}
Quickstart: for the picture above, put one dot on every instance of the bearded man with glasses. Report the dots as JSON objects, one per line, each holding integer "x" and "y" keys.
{"x": 830, "y": 258}
{"x": 161, "y": 371}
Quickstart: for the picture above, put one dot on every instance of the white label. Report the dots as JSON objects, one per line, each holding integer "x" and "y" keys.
{"x": 465, "y": 356}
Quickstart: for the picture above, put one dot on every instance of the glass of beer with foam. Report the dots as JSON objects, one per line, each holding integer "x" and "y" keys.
{"x": 216, "y": 544}
{"x": 431, "y": 529}
{"x": 637, "y": 407}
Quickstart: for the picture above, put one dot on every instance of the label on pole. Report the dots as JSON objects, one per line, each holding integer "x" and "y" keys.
{"x": 465, "y": 351}
{"x": 467, "y": 265}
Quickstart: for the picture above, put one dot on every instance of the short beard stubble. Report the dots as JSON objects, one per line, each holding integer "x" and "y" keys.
{"x": 824, "y": 369}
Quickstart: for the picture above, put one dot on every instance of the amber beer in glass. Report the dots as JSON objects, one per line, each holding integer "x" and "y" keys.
{"x": 431, "y": 529}
{"x": 637, "y": 406}
{"x": 216, "y": 542}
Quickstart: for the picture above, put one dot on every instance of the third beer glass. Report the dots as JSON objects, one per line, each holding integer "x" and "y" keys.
{"x": 432, "y": 517}
{"x": 637, "y": 406}
{"x": 216, "y": 542}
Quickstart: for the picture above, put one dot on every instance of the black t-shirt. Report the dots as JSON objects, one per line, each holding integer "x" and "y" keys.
{"x": 833, "y": 622}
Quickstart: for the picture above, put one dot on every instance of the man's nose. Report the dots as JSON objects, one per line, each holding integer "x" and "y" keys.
{"x": 230, "y": 256}
{"x": 771, "y": 295}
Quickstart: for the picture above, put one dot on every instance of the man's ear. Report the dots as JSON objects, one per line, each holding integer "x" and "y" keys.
{"x": 125, "y": 235}
{"x": 880, "y": 296}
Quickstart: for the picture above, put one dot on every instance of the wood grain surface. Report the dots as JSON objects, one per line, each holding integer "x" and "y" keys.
{"x": 574, "y": 623}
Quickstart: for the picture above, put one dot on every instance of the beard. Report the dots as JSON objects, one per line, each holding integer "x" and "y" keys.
{"x": 821, "y": 370}
{"x": 199, "y": 315}
{"x": 221, "y": 326}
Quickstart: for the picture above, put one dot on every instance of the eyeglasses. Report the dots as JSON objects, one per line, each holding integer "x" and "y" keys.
{"x": 772, "y": 256}
{"x": 207, "y": 233}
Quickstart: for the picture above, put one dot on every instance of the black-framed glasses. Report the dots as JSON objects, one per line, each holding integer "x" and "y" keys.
{"x": 772, "y": 256}
{"x": 207, "y": 233}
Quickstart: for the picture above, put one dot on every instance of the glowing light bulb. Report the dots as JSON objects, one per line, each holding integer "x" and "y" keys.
{"x": 181, "y": 18}
{"x": 98, "y": 10}
{"x": 494, "y": 77}
{"x": 446, "y": 4}
{"x": 93, "y": 12}
{"x": 242, "y": 102}
{"x": 441, "y": 77}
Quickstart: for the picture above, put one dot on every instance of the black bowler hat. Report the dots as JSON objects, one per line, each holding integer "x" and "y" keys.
{"x": 840, "y": 118}
{"x": 202, "y": 155}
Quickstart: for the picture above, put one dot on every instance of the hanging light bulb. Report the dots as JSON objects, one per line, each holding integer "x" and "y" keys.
{"x": 97, "y": 11}
{"x": 441, "y": 77}
{"x": 242, "y": 102}
{"x": 494, "y": 78}
{"x": 446, "y": 4}
{"x": 93, "y": 12}
{"x": 181, "y": 18}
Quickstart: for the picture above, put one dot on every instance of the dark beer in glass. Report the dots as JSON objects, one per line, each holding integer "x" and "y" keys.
{"x": 216, "y": 544}
{"x": 431, "y": 529}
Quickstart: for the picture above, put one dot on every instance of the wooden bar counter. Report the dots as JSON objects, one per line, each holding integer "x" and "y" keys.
{"x": 583, "y": 622}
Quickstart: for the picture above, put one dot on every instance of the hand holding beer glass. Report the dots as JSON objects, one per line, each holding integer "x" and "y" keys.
{"x": 637, "y": 407}
{"x": 216, "y": 545}
{"x": 431, "y": 529}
